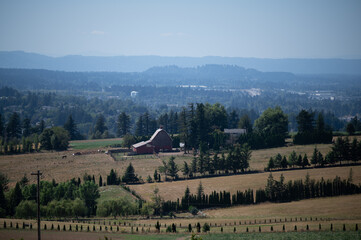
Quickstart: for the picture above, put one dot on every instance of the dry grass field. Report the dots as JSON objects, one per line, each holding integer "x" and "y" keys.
{"x": 312, "y": 213}
{"x": 55, "y": 166}
{"x": 174, "y": 190}
{"x": 336, "y": 210}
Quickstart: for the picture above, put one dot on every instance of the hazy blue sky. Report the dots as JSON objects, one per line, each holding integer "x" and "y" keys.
{"x": 254, "y": 28}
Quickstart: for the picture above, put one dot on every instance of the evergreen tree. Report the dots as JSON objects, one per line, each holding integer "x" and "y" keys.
{"x": 314, "y": 158}
{"x": 3, "y": 203}
{"x": 284, "y": 162}
{"x": 71, "y": 127}
{"x": 353, "y": 151}
{"x": 350, "y": 128}
{"x": 129, "y": 175}
{"x": 24, "y": 181}
{"x": 139, "y": 130}
{"x": 155, "y": 175}
{"x": 245, "y": 123}
{"x": 245, "y": 156}
{"x": 299, "y": 161}
{"x": 233, "y": 119}
{"x": 123, "y": 124}
{"x": 305, "y": 161}
{"x": 185, "y": 169}
{"x": 100, "y": 126}
{"x": 320, "y": 159}
{"x": 13, "y": 128}
{"x": 222, "y": 163}
{"x": 187, "y": 196}
{"x": 172, "y": 168}
{"x": 271, "y": 164}
{"x": 305, "y": 121}
{"x": 146, "y": 121}
{"x": 200, "y": 190}
{"x": 100, "y": 181}
{"x": 45, "y": 139}
{"x": 216, "y": 162}
{"x": 292, "y": 159}
{"x": 194, "y": 167}
{"x": 192, "y": 127}
{"x": 202, "y": 124}
{"x": 16, "y": 198}
{"x": 26, "y": 127}
{"x": 183, "y": 128}
{"x": 41, "y": 126}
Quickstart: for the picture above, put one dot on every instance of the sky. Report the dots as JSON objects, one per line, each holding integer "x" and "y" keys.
{"x": 195, "y": 28}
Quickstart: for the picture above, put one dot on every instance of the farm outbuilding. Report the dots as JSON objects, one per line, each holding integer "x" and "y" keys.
{"x": 233, "y": 134}
{"x": 159, "y": 142}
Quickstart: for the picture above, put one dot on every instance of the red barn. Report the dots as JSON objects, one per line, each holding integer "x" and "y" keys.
{"x": 159, "y": 142}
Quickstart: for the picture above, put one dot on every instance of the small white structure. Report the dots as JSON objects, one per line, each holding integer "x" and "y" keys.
{"x": 133, "y": 94}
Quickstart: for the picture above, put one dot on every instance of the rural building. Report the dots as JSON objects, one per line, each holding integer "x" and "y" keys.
{"x": 233, "y": 134}
{"x": 159, "y": 142}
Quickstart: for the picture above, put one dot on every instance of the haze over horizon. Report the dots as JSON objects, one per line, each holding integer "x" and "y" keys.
{"x": 247, "y": 29}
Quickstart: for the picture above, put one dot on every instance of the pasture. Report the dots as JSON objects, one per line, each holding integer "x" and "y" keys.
{"x": 312, "y": 218}
{"x": 232, "y": 183}
{"x": 94, "y": 144}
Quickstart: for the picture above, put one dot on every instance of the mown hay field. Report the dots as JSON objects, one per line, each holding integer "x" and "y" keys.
{"x": 336, "y": 210}
{"x": 233, "y": 183}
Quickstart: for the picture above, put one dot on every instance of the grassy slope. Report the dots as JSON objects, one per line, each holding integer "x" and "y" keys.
{"x": 113, "y": 193}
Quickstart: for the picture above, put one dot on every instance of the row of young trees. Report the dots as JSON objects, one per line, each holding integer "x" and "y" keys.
{"x": 128, "y": 177}
{"x": 237, "y": 160}
{"x": 275, "y": 191}
{"x": 279, "y": 191}
{"x": 342, "y": 151}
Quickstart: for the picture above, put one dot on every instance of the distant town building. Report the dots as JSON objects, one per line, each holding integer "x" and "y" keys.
{"x": 233, "y": 134}
{"x": 159, "y": 142}
{"x": 133, "y": 94}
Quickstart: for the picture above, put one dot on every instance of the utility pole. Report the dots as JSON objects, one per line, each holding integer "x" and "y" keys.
{"x": 38, "y": 199}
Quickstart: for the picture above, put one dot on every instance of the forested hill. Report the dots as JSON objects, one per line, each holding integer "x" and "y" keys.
{"x": 212, "y": 76}
{"x": 18, "y": 59}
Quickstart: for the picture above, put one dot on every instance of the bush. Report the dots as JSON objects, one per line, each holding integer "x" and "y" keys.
{"x": 26, "y": 209}
{"x": 206, "y": 227}
{"x": 193, "y": 210}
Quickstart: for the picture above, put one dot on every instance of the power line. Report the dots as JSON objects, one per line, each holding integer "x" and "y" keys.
{"x": 38, "y": 199}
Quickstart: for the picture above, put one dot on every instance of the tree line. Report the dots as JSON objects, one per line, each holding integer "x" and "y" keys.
{"x": 66, "y": 199}
{"x": 275, "y": 191}
{"x": 342, "y": 151}
{"x": 236, "y": 161}
{"x": 310, "y": 132}
{"x": 19, "y": 136}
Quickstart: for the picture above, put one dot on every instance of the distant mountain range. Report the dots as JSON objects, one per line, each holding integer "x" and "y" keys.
{"x": 23, "y": 60}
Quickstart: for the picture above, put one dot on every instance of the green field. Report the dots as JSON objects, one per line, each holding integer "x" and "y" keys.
{"x": 113, "y": 193}
{"x": 94, "y": 144}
